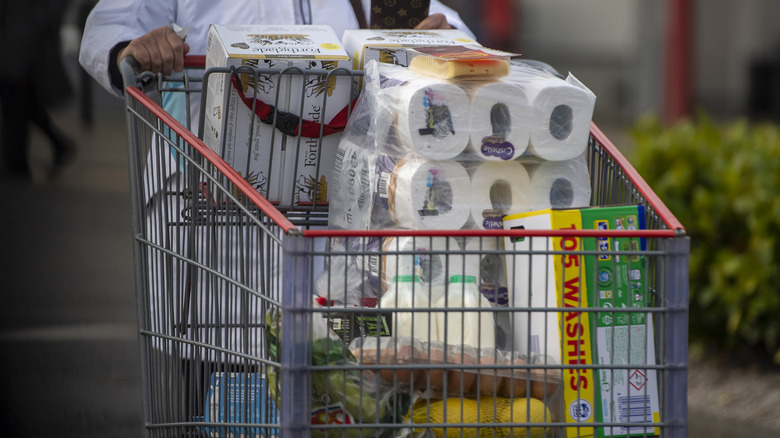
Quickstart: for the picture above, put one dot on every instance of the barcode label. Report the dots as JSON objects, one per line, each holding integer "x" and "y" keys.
{"x": 634, "y": 409}
{"x": 373, "y": 265}
{"x": 365, "y": 186}
{"x": 337, "y": 165}
{"x": 383, "y": 184}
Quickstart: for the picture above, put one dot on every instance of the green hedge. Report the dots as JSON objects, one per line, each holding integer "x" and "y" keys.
{"x": 723, "y": 183}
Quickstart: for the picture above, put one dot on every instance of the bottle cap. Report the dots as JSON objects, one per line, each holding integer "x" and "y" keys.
{"x": 463, "y": 279}
{"x": 406, "y": 279}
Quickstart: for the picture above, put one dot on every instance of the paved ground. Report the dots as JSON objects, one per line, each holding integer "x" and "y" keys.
{"x": 68, "y": 351}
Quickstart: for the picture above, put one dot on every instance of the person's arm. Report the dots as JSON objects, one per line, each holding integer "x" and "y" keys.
{"x": 160, "y": 50}
{"x": 435, "y": 21}
{"x": 110, "y": 27}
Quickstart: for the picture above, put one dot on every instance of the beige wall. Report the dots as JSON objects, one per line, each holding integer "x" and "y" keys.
{"x": 617, "y": 47}
{"x": 594, "y": 39}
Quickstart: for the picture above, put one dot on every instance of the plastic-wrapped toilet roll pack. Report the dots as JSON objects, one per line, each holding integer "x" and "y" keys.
{"x": 499, "y": 125}
{"x": 415, "y": 193}
{"x": 561, "y": 184}
{"x": 446, "y": 155}
{"x": 561, "y": 114}
{"x": 430, "y": 119}
{"x": 486, "y": 267}
{"x": 496, "y": 190}
{"x": 351, "y": 186}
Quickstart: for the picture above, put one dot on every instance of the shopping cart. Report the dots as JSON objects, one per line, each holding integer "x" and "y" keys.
{"x": 233, "y": 342}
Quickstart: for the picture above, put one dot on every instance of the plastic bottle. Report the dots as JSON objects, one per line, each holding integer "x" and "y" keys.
{"x": 407, "y": 292}
{"x": 476, "y": 329}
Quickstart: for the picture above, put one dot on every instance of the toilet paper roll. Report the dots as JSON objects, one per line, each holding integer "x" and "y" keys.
{"x": 560, "y": 117}
{"x": 382, "y": 96}
{"x": 561, "y": 184}
{"x": 497, "y": 189}
{"x": 427, "y": 195}
{"x": 433, "y": 258}
{"x": 488, "y": 265}
{"x": 499, "y": 127}
{"x": 489, "y": 268}
{"x": 350, "y": 192}
{"x": 432, "y": 119}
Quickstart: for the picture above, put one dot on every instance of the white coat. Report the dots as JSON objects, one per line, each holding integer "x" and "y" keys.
{"x": 115, "y": 21}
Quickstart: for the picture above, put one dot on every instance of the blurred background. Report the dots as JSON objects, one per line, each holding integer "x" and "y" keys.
{"x": 686, "y": 89}
{"x": 669, "y": 57}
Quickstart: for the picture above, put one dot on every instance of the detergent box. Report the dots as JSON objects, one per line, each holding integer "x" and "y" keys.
{"x": 617, "y": 279}
{"x": 548, "y": 273}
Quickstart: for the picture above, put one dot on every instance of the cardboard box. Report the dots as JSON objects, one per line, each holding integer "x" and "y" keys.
{"x": 364, "y": 45}
{"x": 622, "y": 338}
{"x": 551, "y": 277}
{"x": 287, "y": 169}
{"x": 240, "y": 398}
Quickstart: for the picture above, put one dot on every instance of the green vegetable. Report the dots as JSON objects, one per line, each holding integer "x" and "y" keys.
{"x": 338, "y": 395}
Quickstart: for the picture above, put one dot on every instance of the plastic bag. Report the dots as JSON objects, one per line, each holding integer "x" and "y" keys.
{"x": 339, "y": 395}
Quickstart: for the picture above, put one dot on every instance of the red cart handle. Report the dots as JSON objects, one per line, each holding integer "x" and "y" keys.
{"x": 289, "y": 123}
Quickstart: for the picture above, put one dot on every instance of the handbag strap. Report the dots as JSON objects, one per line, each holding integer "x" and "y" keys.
{"x": 291, "y": 124}
{"x": 357, "y": 7}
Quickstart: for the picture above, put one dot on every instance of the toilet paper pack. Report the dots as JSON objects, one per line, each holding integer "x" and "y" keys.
{"x": 559, "y": 184}
{"x": 418, "y": 132}
{"x": 497, "y": 189}
{"x": 419, "y": 194}
{"x": 561, "y": 112}
{"x": 500, "y": 120}
{"x": 286, "y": 169}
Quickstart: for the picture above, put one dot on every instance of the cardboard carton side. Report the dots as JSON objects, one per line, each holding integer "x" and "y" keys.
{"x": 552, "y": 276}
{"x": 288, "y": 170}
{"x": 618, "y": 281}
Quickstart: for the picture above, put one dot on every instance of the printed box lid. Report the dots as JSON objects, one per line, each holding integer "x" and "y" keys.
{"x": 406, "y": 38}
{"x": 280, "y": 41}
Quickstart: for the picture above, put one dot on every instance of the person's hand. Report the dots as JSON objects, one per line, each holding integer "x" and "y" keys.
{"x": 159, "y": 51}
{"x": 434, "y": 21}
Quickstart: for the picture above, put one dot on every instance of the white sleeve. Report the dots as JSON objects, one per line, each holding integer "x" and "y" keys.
{"x": 436, "y": 8}
{"x": 452, "y": 17}
{"x": 114, "y": 21}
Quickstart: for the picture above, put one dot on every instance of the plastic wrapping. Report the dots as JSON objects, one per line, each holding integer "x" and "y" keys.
{"x": 340, "y": 394}
{"x": 426, "y": 153}
{"x": 448, "y": 413}
{"x": 438, "y": 370}
{"x": 459, "y": 62}
{"x": 364, "y": 267}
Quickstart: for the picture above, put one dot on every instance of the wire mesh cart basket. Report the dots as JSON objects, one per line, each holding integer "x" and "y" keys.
{"x": 245, "y": 330}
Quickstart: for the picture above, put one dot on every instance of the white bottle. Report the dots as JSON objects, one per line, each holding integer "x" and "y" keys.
{"x": 477, "y": 328}
{"x": 407, "y": 293}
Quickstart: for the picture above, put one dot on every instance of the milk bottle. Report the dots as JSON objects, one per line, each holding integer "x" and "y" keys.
{"x": 407, "y": 293}
{"x": 476, "y": 329}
